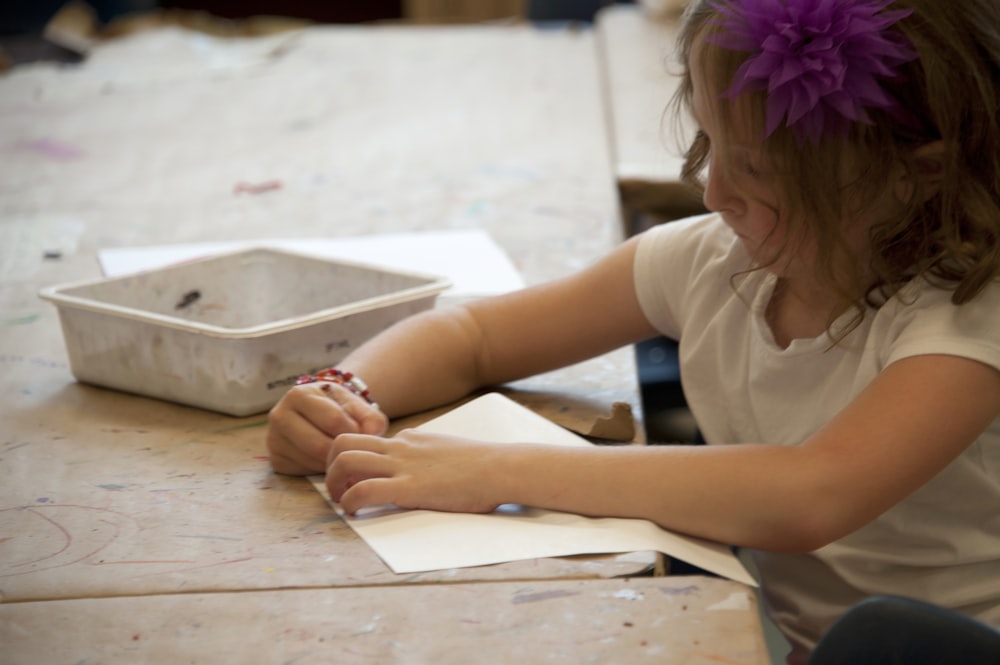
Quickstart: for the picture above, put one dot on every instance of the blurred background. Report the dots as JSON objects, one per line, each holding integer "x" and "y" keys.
{"x": 24, "y": 36}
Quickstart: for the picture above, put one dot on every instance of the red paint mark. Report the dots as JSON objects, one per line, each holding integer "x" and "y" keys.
{"x": 115, "y": 563}
{"x": 135, "y": 637}
{"x": 719, "y": 658}
{"x": 40, "y": 511}
{"x": 257, "y": 188}
{"x": 199, "y": 567}
{"x": 53, "y": 149}
{"x": 261, "y": 458}
{"x": 542, "y": 595}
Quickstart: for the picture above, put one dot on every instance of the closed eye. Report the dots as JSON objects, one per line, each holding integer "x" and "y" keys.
{"x": 750, "y": 169}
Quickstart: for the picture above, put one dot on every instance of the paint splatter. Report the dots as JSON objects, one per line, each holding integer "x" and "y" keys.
{"x": 735, "y": 601}
{"x": 542, "y": 595}
{"x": 628, "y": 594}
{"x": 21, "y": 320}
{"x": 257, "y": 188}
{"x": 188, "y": 298}
{"x": 53, "y": 149}
{"x": 364, "y": 630}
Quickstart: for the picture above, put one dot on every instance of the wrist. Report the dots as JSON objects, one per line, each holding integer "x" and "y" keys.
{"x": 348, "y": 380}
{"x": 510, "y": 473}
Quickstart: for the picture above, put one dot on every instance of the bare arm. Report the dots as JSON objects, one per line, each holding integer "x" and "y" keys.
{"x": 442, "y": 355}
{"x": 913, "y": 420}
{"x": 438, "y": 357}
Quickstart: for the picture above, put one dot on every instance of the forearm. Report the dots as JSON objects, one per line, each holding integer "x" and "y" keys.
{"x": 439, "y": 356}
{"x": 425, "y": 361}
{"x": 750, "y": 495}
{"x": 442, "y": 355}
{"x": 889, "y": 442}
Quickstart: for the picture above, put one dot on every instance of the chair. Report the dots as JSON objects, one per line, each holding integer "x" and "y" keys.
{"x": 886, "y": 630}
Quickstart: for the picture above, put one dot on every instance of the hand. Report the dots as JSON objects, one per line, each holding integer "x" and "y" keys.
{"x": 414, "y": 469}
{"x": 304, "y": 423}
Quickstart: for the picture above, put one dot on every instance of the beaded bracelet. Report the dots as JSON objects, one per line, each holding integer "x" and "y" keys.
{"x": 346, "y": 379}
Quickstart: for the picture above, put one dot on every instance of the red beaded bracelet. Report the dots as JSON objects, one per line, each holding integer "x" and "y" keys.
{"x": 346, "y": 379}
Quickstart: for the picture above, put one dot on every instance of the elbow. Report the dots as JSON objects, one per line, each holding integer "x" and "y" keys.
{"x": 797, "y": 539}
{"x": 814, "y": 525}
{"x": 814, "y": 510}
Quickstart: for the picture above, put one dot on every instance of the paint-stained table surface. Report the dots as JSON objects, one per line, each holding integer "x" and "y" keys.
{"x": 689, "y": 620}
{"x": 367, "y": 130}
{"x": 118, "y": 510}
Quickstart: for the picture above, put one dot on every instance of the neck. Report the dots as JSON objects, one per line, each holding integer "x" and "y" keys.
{"x": 800, "y": 309}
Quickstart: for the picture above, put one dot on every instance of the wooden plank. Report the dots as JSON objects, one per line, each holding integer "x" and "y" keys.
{"x": 640, "y": 78}
{"x": 641, "y": 75}
{"x": 696, "y": 621}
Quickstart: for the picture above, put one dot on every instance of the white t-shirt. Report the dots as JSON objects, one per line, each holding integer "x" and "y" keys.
{"x": 942, "y": 543}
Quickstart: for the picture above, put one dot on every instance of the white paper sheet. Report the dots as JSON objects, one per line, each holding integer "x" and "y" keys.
{"x": 471, "y": 259}
{"x": 421, "y": 540}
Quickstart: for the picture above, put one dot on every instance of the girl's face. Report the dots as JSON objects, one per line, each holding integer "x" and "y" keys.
{"x": 740, "y": 185}
{"x": 737, "y": 183}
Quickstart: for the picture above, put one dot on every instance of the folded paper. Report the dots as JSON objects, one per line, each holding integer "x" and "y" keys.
{"x": 411, "y": 541}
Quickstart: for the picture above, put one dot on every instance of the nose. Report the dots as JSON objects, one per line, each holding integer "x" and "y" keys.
{"x": 719, "y": 194}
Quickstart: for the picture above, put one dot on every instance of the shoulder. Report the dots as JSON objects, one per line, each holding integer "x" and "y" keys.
{"x": 923, "y": 320}
{"x": 706, "y": 232}
{"x": 681, "y": 265}
{"x": 681, "y": 249}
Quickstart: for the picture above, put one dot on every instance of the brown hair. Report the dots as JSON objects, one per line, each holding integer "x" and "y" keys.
{"x": 949, "y": 232}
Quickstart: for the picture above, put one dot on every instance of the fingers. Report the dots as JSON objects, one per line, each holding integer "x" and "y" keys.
{"x": 366, "y": 470}
{"x": 295, "y": 446}
{"x": 357, "y": 478}
{"x": 365, "y": 417}
{"x": 414, "y": 469}
{"x": 304, "y": 423}
{"x": 354, "y": 458}
{"x": 371, "y": 492}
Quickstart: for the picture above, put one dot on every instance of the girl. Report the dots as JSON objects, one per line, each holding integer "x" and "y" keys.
{"x": 838, "y": 315}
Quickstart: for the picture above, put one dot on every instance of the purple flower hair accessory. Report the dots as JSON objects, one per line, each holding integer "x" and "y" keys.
{"x": 819, "y": 61}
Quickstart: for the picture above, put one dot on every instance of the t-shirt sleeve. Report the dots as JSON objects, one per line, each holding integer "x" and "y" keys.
{"x": 674, "y": 262}
{"x": 930, "y": 323}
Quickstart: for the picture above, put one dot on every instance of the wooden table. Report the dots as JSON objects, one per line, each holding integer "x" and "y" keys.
{"x": 118, "y": 506}
{"x": 640, "y": 76}
{"x": 690, "y": 620}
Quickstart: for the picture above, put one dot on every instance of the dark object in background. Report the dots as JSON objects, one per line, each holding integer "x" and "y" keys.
{"x": 22, "y": 23}
{"x": 375, "y": 10}
{"x": 883, "y": 630}
{"x": 28, "y": 17}
{"x": 321, "y": 12}
{"x": 565, "y": 10}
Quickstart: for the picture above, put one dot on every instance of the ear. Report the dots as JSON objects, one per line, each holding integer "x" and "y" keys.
{"x": 925, "y": 172}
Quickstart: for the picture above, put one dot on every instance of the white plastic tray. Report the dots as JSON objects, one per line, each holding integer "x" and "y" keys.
{"x": 230, "y": 333}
